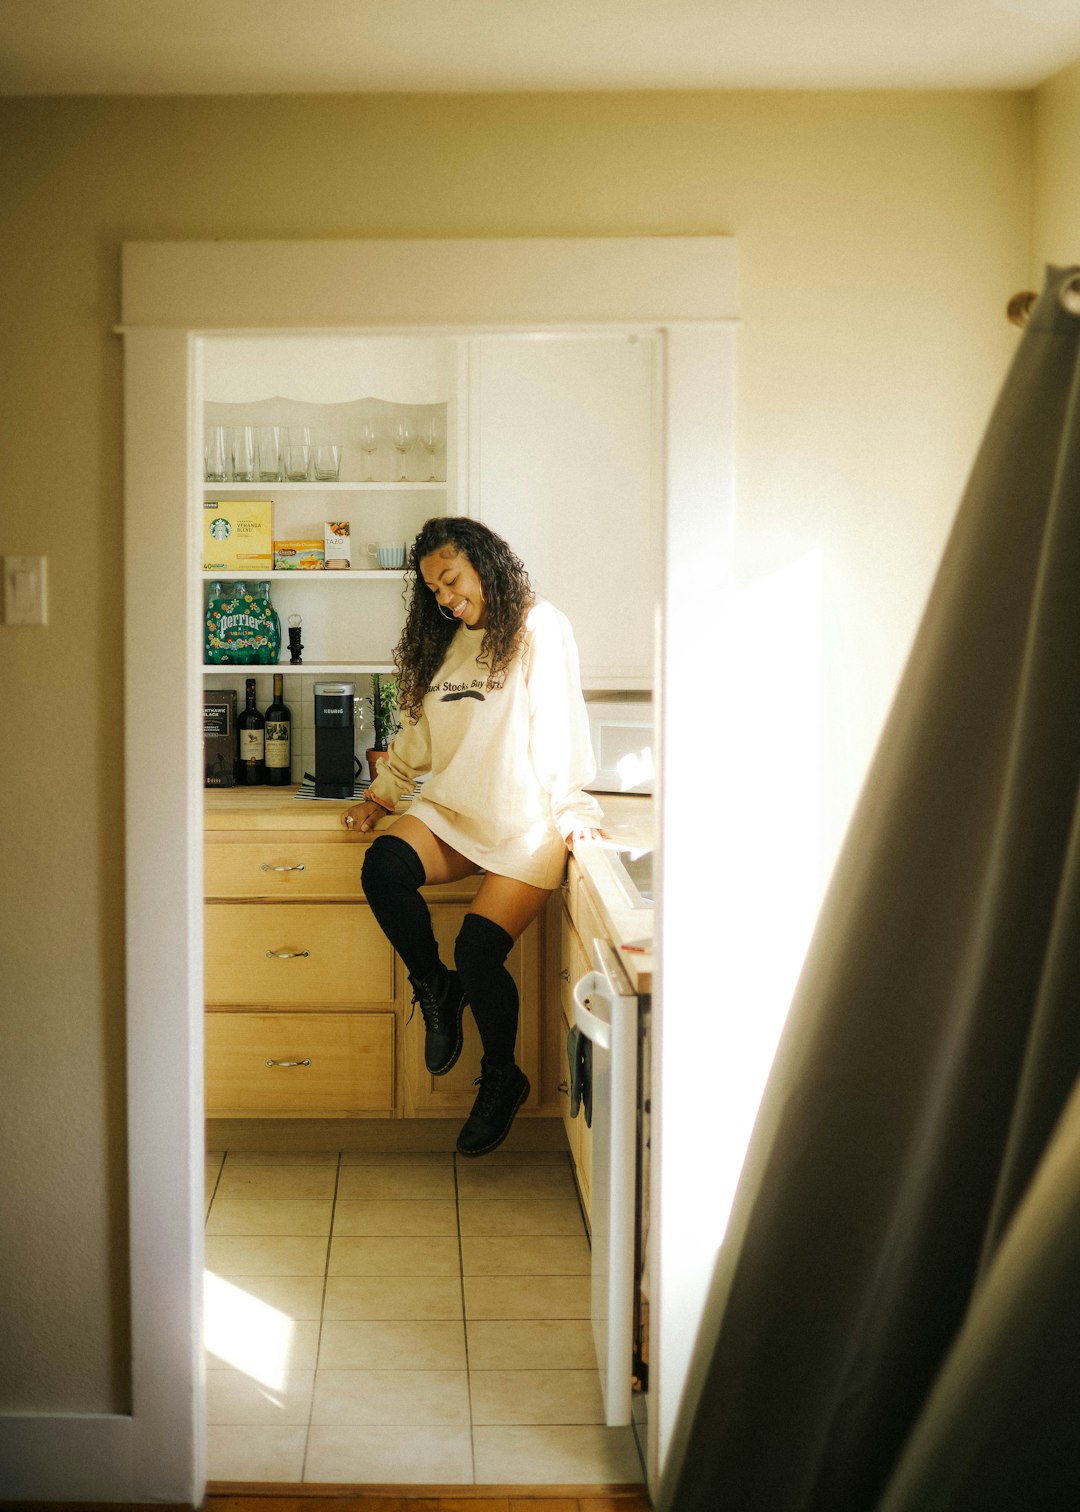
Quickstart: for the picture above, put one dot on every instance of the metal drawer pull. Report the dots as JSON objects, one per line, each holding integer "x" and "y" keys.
{"x": 564, "y": 1087}
{"x": 288, "y": 1063}
{"x": 267, "y": 867}
{"x": 285, "y": 955}
{"x": 565, "y": 974}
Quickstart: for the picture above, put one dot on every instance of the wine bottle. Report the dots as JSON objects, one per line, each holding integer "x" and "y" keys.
{"x": 278, "y": 743}
{"x": 252, "y": 740}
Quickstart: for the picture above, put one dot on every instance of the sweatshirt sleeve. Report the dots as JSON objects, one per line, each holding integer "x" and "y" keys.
{"x": 408, "y": 758}
{"x": 561, "y": 746}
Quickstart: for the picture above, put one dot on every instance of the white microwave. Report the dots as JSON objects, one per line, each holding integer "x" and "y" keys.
{"x": 621, "y": 726}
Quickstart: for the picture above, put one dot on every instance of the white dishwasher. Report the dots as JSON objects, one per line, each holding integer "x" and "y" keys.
{"x": 607, "y": 1016}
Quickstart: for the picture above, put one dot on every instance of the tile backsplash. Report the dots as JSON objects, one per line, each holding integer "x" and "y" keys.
{"x": 299, "y": 695}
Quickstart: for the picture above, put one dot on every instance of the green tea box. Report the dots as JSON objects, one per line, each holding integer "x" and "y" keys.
{"x": 237, "y": 536}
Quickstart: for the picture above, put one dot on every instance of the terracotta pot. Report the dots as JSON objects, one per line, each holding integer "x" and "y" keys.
{"x": 373, "y": 759}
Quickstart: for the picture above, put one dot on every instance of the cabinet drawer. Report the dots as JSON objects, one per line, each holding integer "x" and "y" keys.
{"x": 571, "y": 1125}
{"x": 317, "y": 954}
{"x": 346, "y": 1063}
{"x": 286, "y": 868}
{"x": 574, "y": 964}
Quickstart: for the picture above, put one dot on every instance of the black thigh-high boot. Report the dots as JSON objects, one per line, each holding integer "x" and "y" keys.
{"x": 480, "y": 953}
{"x": 392, "y": 877}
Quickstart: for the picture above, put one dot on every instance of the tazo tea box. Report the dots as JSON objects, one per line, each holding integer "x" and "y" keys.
{"x": 298, "y": 556}
{"x": 336, "y": 544}
{"x": 237, "y": 535}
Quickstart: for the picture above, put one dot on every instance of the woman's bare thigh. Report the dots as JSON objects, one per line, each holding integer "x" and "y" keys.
{"x": 508, "y": 902}
{"x": 441, "y": 862}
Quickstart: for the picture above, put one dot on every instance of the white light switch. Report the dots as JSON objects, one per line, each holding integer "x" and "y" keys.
{"x": 24, "y": 590}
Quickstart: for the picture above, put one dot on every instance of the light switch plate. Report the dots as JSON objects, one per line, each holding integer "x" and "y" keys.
{"x": 24, "y": 590}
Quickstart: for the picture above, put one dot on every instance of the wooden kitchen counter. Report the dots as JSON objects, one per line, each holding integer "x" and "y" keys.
{"x": 276, "y": 808}
{"x": 627, "y": 819}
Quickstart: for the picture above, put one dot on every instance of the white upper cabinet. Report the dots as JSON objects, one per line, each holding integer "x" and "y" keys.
{"x": 562, "y": 461}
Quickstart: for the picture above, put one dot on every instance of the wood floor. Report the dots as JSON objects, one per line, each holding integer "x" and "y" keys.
{"x": 390, "y": 1499}
{"x": 433, "y": 1499}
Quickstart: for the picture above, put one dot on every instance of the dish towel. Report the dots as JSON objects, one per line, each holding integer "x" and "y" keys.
{"x": 579, "y": 1057}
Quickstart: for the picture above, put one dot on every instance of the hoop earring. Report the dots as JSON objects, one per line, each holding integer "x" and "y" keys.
{"x": 444, "y": 612}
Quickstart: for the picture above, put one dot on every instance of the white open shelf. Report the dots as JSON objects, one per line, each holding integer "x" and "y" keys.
{"x": 257, "y": 490}
{"x": 307, "y": 575}
{"x": 317, "y": 669}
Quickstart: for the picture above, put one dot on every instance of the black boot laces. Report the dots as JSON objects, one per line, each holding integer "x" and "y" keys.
{"x": 430, "y": 1002}
{"x": 493, "y": 1082}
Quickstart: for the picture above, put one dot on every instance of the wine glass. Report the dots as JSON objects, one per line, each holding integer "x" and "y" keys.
{"x": 401, "y": 434}
{"x": 431, "y": 439}
{"x": 369, "y": 440}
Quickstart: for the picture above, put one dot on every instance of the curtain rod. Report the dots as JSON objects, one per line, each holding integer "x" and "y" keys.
{"x": 1020, "y": 305}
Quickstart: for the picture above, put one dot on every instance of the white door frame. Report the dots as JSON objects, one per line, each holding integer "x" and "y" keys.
{"x": 173, "y": 294}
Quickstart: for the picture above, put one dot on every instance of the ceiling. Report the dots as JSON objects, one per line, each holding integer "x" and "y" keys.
{"x": 348, "y": 46}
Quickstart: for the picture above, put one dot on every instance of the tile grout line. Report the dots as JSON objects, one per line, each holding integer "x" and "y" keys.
{"x": 322, "y": 1314}
{"x": 464, "y": 1320}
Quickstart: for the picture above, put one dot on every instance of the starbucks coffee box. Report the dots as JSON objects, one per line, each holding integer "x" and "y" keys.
{"x": 237, "y": 536}
{"x": 220, "y": 741}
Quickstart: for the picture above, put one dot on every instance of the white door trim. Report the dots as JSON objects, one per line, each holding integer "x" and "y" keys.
{"x": 172, "y": 294}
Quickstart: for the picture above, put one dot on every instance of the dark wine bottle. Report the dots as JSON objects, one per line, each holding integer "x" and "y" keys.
{"x": 252, "y": 740}
{"x": 278, "y": 743}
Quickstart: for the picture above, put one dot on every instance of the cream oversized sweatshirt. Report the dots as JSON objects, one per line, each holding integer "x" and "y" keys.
{"x": 508, "y": 757}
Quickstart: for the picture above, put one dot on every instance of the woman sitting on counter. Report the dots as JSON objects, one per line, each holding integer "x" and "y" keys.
{"x": 492, "y": 708}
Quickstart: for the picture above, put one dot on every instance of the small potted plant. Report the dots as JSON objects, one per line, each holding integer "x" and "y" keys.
{"x": 383, "y": 703}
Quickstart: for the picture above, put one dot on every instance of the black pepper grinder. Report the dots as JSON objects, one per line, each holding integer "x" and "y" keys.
{"x": 295, "y": 644}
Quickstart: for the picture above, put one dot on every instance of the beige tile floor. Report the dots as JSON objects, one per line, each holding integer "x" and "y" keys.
{"x": 402, "y": 1318}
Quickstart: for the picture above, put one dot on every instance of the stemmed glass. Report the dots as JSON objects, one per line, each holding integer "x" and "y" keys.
{"x": 431, "y": 439}
{"x": 401, "y": 434}
{"x": 369, "y": 440}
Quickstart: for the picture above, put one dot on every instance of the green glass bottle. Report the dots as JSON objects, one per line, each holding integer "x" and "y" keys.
{"x": 212, "y": 646}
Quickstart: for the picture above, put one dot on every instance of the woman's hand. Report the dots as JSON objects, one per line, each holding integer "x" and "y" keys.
{"x": 362, "y": 816}
{"x": 585, "y": 832}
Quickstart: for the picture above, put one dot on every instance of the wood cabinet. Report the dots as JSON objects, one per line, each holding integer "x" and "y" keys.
{"x": 563, "y": 463}
{"x": 308, "y": 1009}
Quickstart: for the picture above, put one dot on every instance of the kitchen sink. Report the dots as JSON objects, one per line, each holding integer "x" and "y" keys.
{"x": 633, "y": 870}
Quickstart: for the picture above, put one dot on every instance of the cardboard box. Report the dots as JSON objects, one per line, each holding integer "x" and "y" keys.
{"x": 336, "y": 548}
{"x": 220, "y": 744}
{"x": 298, "y": 556}
{"x": 237, "y": 535}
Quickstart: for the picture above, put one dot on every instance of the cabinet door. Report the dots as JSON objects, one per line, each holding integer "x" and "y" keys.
{"x": 299, "y": 1064}
{"x": 303, "y": 955}
{"x": 452, "y": 1095}
{"x": 562, "y": 465}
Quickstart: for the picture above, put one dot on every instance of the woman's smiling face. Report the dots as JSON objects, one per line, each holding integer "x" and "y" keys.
{"x": 454, "y": 581}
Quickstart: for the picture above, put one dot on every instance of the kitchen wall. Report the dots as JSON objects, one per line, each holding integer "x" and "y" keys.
{"x": 1056, "y": 173}
{"x": 879, "y": 237}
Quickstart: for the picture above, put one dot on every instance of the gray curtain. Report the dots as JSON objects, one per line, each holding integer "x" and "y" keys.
{"x": 895, "y": 1318}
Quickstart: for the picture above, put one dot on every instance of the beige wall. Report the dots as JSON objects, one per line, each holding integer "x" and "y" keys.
{"x": 879, "y": 238}
{"x": 1056, "y": 173}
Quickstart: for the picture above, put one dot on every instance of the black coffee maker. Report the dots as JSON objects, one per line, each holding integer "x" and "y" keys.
{"x": 335, "y": 757}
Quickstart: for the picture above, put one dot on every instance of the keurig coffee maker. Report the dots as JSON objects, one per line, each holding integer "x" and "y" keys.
{"x": 335, "y": 760}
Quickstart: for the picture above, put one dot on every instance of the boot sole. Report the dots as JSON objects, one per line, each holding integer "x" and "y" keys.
{"x": 495, "y": 1143}
{"x": 452, "y": 1062}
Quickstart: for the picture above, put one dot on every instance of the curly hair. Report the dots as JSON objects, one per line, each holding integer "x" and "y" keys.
{"x": 508, "y": 596}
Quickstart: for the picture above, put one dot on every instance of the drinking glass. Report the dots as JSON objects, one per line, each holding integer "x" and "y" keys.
{"x": 327, "y": 462}
{"x": 268, "y": 453}
{"x": 401, "y": 433}
{"x": 242, "y": 447}
{"x": 214, "y": 454}
{"x": 369, "y": 440}
{"x": 297, "y": 462}
{"x": 431, "y": 438}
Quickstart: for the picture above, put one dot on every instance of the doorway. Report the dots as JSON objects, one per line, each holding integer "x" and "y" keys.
{"x": 173, "y": 294}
